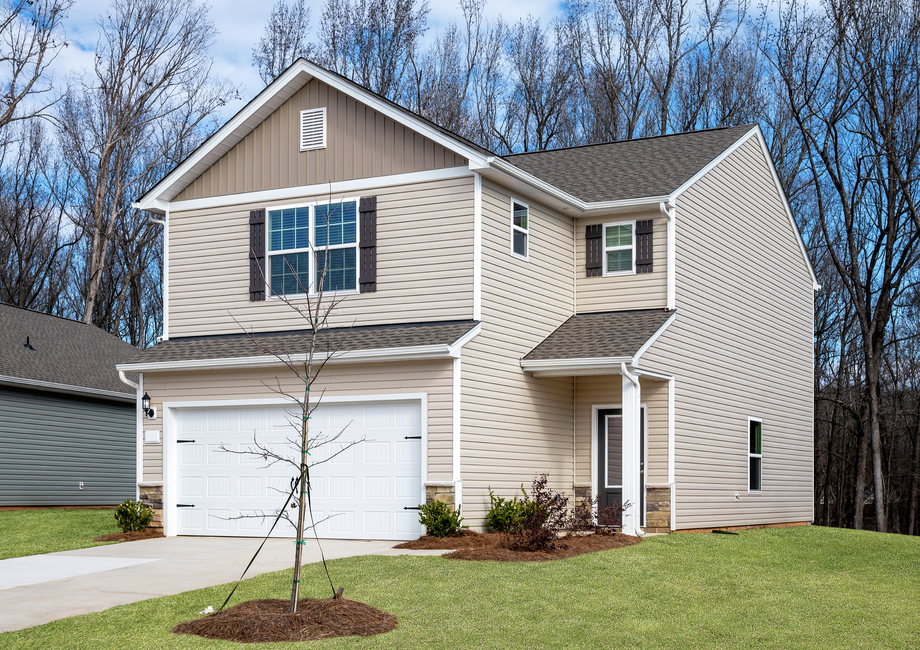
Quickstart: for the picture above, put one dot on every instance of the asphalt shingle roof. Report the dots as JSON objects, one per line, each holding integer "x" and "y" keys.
{"x": 629, "y": 169}
{"x": 373, "y": 337}
{"x": 62, "y": 351}
{"x": 596, "y": 336}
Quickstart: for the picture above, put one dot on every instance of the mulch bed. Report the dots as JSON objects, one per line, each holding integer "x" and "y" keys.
{"x": 268, "y": 620}
{"x": 494, "y": 546}
{"x": 129, "y": 537}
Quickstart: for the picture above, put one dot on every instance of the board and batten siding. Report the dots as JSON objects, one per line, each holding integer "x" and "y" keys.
{"x": 51, "y": 442}
{"x": 623, "y": 292}
{"x": 343, "y": 379}
{"x": 424, "y": 264}
{"x": 360, "y": 143}
{"x": 606, "y": 390}
{"x": 514, "y": 425}
{"x": 740, "y": 347}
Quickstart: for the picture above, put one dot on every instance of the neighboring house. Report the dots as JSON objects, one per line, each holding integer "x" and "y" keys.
{"x": 67, "y": 423}
{"x": 634, "y": 319}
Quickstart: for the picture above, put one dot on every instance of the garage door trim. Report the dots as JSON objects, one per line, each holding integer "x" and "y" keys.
{"x": 170, "y": 426}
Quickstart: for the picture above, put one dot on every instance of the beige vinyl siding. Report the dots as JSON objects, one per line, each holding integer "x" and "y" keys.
{"x": 513, "y": 425}
{"x": 606, "y": 390}
{"x": 431, "y": 377}
{"x": 622, "y": 292}
{"x": 740, "y": 346}
{"x": 360, "y": 143}
{"x": 424, "y": 264}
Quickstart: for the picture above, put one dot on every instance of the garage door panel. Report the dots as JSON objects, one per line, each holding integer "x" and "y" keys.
{"x": 360, "y": 482}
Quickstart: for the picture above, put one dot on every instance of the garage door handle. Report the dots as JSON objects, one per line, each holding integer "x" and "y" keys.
{"x": 185, "y": 505}
{"x": 412, "y": 437}
{"x": 411, "y": 508}
{"x": 181, "y": 441}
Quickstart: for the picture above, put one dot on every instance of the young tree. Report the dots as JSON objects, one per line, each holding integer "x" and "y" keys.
{"x": 284, "y": 41}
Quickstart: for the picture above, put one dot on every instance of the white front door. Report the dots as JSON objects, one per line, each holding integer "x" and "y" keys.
{"x": 365, "y": 485}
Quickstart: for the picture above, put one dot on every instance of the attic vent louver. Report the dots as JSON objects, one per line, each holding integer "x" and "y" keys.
{"x": 313, "y": 129}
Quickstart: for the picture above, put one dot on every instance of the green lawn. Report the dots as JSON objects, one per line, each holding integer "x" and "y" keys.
{"x": 775, "y": 588}
{"x": 30, "y": 532}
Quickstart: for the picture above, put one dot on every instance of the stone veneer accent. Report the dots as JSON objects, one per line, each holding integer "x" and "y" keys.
{"x": 658, "y": 508}
{"x": 152, "y": 495}
{"x": 440, "y": 492}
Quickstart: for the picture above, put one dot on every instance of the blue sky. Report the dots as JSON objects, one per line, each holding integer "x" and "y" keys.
{"x": 240, "y": 25}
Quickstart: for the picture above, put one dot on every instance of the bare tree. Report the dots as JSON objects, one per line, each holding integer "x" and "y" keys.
{"x": 284, "y": 41}
{"x": 31, "y": 37}
{"x": 151, "y": 92}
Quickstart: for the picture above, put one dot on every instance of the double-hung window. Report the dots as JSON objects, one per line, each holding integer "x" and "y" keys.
{"x": 755, "y": 456}
{"x": 309, "y": 247}
{"x": 619, "y": 248}
{"x": 520, "y": 229}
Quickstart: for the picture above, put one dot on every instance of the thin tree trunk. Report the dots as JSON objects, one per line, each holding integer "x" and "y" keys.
{"x": 860, "y": 491}
{"x": 875, "y": 436}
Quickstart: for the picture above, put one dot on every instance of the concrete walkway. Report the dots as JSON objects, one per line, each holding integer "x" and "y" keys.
{"x": 44, "y": 588}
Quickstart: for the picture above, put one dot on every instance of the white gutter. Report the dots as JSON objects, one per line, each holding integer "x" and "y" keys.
{"x": 64, "y": 388}
{"x": 667, "y": 208}
{"x": 165, "y": 223}
{"x": 574, "y": 367}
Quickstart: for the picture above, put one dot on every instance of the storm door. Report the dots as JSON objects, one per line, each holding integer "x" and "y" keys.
{"x": 610, "y": 460}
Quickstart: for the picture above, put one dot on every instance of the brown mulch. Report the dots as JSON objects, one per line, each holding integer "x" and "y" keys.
{"x": 268, "y": 620}
{"x": 494, "y": 546}
{"x": 129, "y": 537}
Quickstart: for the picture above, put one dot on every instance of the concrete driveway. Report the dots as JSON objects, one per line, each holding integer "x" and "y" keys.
{"x": 43, "y": 588}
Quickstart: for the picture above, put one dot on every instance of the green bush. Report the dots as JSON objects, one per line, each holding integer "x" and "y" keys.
{"x": 506, "y": 515}
{"x": 439, "y": 520}
{"x": 133, "y": 516}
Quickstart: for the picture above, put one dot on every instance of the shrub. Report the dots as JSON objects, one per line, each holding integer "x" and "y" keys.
{"x": 133, "y": 516}
{"x": 505, "y": 515}
{"x": 545, "y": 514}
{"x": 439, "y": 520}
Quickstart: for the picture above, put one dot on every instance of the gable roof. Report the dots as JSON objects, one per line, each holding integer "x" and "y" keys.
{"x": 65, "y": 355}
{"x": 629, "y": 169}
{"x": 364, "y": 343}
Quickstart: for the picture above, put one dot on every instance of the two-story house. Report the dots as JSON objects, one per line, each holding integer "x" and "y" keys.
{"x": 633, "y": 318}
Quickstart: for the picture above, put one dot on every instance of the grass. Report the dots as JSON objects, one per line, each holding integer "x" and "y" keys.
{"x": 774, "y": 588}
{"x": 30, "y": 532}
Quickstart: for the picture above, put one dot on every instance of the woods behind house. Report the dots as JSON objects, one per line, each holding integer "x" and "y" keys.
{"x": 835, "y": 88}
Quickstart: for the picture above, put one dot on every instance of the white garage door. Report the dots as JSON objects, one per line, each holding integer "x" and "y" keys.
{"x": 362, "y": 491}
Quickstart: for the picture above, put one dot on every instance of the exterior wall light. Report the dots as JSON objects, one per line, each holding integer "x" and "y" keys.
{"x": 149, "y": 411}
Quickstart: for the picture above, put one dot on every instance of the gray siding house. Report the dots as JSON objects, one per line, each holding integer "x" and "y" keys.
{"x": 67, "y": 423}
{"x": 632, "y": 318}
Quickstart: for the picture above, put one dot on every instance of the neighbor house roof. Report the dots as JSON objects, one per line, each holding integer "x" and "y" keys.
{"x": 383, "y": 342}
{"x": 52, "y": 353}
{"x": 629, "y": 169}
{"x": 597, "y": 343}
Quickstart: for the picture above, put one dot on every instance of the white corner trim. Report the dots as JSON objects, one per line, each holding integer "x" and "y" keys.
{"x": 455, "y": 347}
{"x": 65, "y": 388}
{"x": 653, "y": 338}
{"x": 574, "y": 367}
{"x": 139, "y": 419}
{"x": 456, "y": 407}
{"x": 477, "y": 246}
{"x": 324, "y": 190}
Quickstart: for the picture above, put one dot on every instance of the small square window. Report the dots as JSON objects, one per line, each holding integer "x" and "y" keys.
{"x": 520, "y": 229}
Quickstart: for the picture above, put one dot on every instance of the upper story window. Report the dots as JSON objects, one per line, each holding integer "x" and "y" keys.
{"x": 755, "y": 455}
{"x": 313, "y": 129}
{"x": 520, "y": 229}
{"x": 312, "y": 245}
{"x": 619, "y": 248}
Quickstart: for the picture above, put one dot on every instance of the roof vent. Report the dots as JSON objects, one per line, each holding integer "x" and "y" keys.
{"x": 313, "y": 129}
{"x": 28, "y": 346}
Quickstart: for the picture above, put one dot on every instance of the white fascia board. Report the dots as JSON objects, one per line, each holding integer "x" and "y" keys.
{"x": 320, "y": 189}
{"x": 574, "y": 367}
{"x": 455, "y": 347}
{"x": 66, "y": 388}
{"x": 441, "y": 351}
{"x": 755, "y": 132}
{"x": 654, "y": 337}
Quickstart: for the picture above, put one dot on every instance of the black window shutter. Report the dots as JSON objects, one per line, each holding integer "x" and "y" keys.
{"x": 257, "y": 277}
{"x": 368, "y": 266}
{"x": 644, "y": 246}
{"x": 594, "y": 250}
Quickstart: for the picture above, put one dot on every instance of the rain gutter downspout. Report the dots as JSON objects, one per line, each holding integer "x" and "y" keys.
{"x": 635, "y": 380}
{"x": 139, "y": 461}
{"x": 667, "y": 208}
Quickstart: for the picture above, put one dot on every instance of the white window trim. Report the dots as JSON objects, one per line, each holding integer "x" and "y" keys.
{"x": 632, "y": 247}
{"x": 526, "y": 256}
{"x": 322, "y": 145}
{"x": 752, "y": 455}
{"x": 312, "y": 205}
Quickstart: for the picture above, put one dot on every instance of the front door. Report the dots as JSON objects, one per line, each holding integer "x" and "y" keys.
{"x": 610, "y": 461}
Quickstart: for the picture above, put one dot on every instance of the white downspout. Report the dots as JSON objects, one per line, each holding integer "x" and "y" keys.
{"x": 632, "y": 400}
{"x": 139, "y": 452}
{"x": 457, "y": 477}
{"x": 165, "y": 223}
{"x": 671, "y": 443}
{"x": 668, "y": 210}
{"x": 477, "y": 246}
